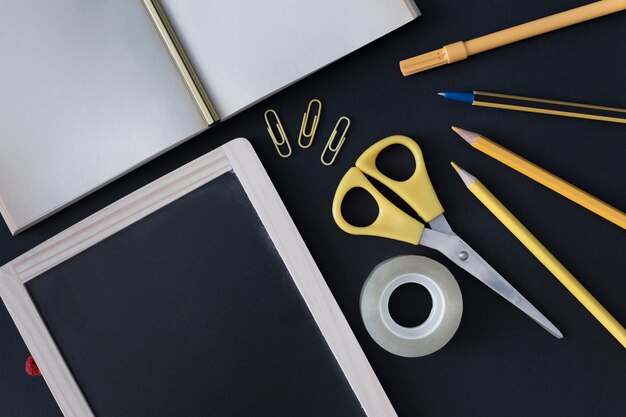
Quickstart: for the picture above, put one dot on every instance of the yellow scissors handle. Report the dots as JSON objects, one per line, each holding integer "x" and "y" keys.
{"x": 417, "y": 191}
{"x": 391, "y": 222}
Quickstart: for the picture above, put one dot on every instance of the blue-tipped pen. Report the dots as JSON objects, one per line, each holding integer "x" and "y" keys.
{"x": 458, "y": 96}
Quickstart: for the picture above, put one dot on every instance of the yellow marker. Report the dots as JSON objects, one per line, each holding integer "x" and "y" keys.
{"x": 543, "y": 177}
{"x": 461, "y": 50}
{"x": 543, "y": 255}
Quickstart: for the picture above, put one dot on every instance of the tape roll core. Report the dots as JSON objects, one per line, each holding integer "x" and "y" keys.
{"x": 442, "y": 322}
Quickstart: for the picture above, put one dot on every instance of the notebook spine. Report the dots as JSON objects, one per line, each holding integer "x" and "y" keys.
{"x": 181, "y": 60}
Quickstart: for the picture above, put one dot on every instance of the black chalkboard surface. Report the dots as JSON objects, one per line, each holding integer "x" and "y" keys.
{"x": 178, "y": 301}
{"x": 149, "y": 330}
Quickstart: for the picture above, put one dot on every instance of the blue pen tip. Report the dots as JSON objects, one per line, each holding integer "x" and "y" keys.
{"x": 461, "y": 96}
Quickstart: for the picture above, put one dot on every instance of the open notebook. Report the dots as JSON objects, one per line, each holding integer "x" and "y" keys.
{"x": 91, "y": 89}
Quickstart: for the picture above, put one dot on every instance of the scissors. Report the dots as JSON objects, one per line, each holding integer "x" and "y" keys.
{"x": 419, "y": 194}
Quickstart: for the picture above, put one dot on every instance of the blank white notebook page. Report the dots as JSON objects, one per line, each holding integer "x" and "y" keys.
{"x": 88, "y": 91}
{"x": 246, "y": 50}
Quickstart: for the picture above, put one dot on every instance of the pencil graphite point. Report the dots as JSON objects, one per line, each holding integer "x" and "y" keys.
{"x": 470, "y": 137}
{"x": 468, "y": 179}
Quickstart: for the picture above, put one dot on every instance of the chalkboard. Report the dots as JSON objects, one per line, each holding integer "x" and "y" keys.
{"x": 190, "y": 308}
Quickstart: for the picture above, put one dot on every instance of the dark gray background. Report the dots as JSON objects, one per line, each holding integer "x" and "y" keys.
{"x": 499, "y": 362}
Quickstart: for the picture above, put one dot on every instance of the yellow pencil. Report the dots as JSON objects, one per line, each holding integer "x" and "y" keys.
{"x": 543, "y": 255}
{"x": 543, "y": 177}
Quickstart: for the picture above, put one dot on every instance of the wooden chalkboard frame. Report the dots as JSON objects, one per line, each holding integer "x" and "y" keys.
{"x": 237, "y": 156}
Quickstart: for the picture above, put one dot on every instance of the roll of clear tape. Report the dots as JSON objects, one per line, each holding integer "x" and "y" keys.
{"x": 442, "y": 322}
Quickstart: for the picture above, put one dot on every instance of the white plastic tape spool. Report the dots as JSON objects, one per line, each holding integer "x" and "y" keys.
{"x": 441, "y": 324}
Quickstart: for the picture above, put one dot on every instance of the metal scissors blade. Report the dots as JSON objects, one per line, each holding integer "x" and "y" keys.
{"x": 459, "y": 252}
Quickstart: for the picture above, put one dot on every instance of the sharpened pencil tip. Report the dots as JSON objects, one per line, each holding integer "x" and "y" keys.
{"x": 468, "y": 179}
{"x": 469, "y": 137}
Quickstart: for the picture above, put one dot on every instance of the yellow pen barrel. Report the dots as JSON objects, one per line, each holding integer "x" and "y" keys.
{"x": 548, "y": 260}
{"x": 541, "y": 110}
{"x": 543, "y": 25}
{"x": 550, "y": 107}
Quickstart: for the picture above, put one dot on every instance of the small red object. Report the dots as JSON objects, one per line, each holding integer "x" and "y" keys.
{"x": 31, "y": 367}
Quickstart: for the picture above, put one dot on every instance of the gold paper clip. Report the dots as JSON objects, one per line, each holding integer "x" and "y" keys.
{"x": 283, "y": 137}
{"x": 305, "y": 120}
{"x": 336, "y": 148}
